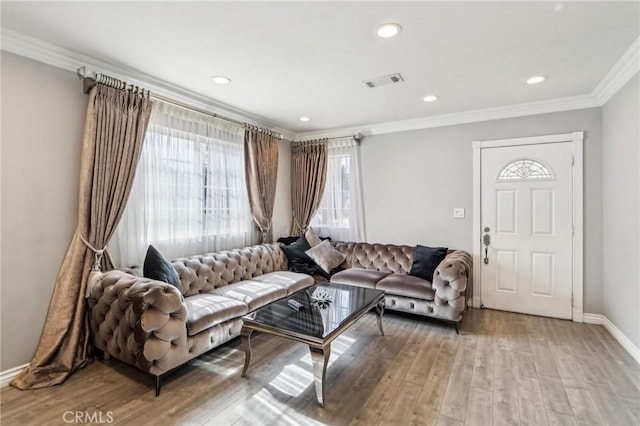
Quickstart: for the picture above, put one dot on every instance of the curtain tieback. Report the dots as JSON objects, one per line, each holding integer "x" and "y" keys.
{"x": 95, "y": 274}
{"x": 295, "y": 221}
{"x": 265, "y": 231}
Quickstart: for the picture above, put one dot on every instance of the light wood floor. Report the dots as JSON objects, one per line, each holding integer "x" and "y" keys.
{"x": 504, "y": 368}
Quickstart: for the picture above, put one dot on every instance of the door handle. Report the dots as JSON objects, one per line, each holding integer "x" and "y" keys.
{"x": 486, "y": 240}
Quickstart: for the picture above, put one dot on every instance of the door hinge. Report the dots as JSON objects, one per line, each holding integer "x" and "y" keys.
{"x": 573, "y": 230}
{"x": 573, "y": 161}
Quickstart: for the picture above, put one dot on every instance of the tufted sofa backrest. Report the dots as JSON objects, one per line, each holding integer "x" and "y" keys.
{"x": 381, "y": 257}
{"x": 206, "y": 272}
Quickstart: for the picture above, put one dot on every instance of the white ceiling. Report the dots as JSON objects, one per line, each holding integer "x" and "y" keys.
{"x": 289, "y": 59}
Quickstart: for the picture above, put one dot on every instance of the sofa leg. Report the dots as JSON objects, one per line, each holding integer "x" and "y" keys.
{"x": 157, "y": 386}
{"x": 456, "y": 326}
{"x": 106, "y": 356}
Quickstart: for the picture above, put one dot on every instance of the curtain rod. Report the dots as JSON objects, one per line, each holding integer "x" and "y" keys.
{"x": 89, "y": 82}
{"x": 357, "y": 137}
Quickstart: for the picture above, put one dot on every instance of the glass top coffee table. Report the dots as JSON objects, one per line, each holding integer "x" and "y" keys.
{"x": 316, "y": 323}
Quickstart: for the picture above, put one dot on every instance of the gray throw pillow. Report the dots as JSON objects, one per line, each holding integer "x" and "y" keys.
{"x": 326, "y": 256}
{"x": 311, "y": 237}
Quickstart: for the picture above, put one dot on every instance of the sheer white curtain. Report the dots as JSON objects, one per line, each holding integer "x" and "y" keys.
{"x": 189, "y": 194}
{"x": 340, "y": 215}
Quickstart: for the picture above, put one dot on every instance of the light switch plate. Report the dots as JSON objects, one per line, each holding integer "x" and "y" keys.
{"x": 458, "y": 213}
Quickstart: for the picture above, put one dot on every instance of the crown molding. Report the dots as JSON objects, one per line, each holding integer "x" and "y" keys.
{"x": 474, "y": 116}
{"x": 66, "y": 59}
{"x": 623, "y": 70}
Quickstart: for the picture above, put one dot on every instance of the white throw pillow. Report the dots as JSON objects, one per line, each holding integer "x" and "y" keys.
{"x": 311, "y": 238}
{"x": 326, "y": 256}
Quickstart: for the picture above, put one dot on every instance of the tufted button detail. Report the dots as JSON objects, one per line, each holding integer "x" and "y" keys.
{"x": 412, "y": 305}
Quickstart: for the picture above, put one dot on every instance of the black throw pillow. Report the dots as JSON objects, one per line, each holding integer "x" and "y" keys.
{"x": 302, "y": 244}
{"x": 299, "y": 261}
{"x": 287, "y": 240}
{"x": 426, "y": 260}
{"x": 157, "y": 267}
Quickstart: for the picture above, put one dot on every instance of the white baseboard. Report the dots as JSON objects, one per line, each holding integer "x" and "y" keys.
{"x": 592, "y": 319}
{"x": 8, "y": 375}
{"x": 624, "y": 341}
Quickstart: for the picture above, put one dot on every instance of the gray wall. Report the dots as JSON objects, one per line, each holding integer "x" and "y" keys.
{"x": 413, "y": 180}
{"x": 43, "y": 113}
{"x": 42, "y": 121}
{"x": 621, "y": 210}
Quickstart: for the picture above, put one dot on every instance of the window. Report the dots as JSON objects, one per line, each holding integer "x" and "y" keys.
{"x": 189, "y": 194}
{"x": 524, "y": 169}
{"x": 335, "y": 209}
{"x": 340, "y": 213}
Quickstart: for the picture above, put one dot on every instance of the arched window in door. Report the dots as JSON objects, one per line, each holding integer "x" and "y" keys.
{"x": 525, "y": 169}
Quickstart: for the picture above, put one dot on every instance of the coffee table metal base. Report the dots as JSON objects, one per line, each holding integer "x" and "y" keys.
{"x": 320, "y": 360}
{"x": 319, "y": 354}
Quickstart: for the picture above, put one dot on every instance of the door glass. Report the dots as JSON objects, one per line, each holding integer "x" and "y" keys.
{"x": 525, "y": 169}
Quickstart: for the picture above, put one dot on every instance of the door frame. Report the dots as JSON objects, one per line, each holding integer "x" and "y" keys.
{"x": 577, "y": 240}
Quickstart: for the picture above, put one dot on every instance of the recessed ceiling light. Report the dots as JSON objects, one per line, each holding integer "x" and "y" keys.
{"x": 430, "y": 98}
{"x": 305, "y": 118}
{"x": 536, "y": 79}
{"x": 389, "y": 30}
{"x": 221, "y": 79}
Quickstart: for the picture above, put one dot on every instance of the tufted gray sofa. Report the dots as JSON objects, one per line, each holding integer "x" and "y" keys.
{"x": 157, "y": 327}
{"x": 386, "y": 267}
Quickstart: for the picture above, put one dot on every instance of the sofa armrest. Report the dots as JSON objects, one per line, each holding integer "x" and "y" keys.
{"x": 138, "y": 320}
{"x": 450, "y": 281}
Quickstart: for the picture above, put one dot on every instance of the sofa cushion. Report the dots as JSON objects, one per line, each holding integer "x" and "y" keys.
{"x": 157, "y": 267}
{"x": 290, "y": 281}
{"x": 407, "y": 286}
{"x": 426, "y": 260}
{"x": 206, "y": 310}
{"x": 254, "y": 293}
{"x": 359, "y": 277}
{"x": 326, "y": 256}
{"x": 381, "y": 257}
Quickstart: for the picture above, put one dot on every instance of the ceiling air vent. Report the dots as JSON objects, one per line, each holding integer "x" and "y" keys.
{"x": 384, "y": 81}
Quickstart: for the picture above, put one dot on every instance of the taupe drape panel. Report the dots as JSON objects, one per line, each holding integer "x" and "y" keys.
{"x": 308, "y": 176}
{"x": 114, "y": 131}
{"x": 261, "y": 170}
